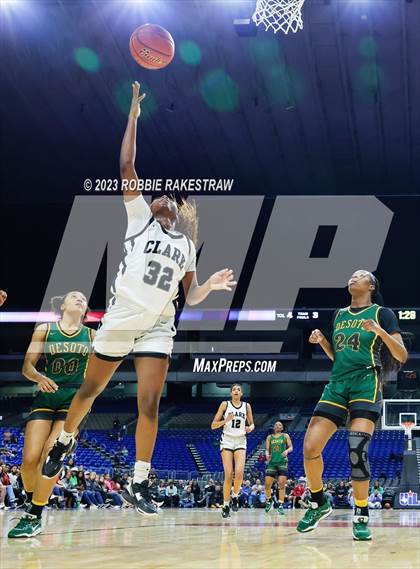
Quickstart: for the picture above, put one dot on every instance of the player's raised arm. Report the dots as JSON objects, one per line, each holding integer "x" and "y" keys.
{"x": 128, "y": 146}
{"x": 195, "y": 293}
{"x": 218, "y": 420}
{"x": 32, "y": 356}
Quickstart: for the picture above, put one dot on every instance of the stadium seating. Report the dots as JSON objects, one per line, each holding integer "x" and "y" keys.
{"x": 98, "y": 452}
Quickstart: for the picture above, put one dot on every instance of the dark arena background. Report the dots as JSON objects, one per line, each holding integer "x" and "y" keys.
{"x": 301, "y": 152}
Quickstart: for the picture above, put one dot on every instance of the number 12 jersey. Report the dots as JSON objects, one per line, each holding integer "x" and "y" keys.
{"x": 235, "y": 427}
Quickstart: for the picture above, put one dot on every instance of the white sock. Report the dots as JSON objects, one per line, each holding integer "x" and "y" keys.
{"x": 226, "y": 504}
{"x": 141, "y": 471}
{"x": 65, "y": 437}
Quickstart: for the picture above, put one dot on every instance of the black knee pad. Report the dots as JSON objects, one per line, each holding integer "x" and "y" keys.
{"x": 358, "y": 453}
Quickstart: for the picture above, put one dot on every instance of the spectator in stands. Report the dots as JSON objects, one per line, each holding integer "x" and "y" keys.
{"x": 112, "y": 489}
{"x": 171, "y": 494}
{"x": 296, "y": 494}
{"x": 5, "y": 481}
{"x": 15, "y": 480}
{"x": 329, "y": 493}
{"x": 86, "y": 497}
{"x": 7, "y": 438}
{"x": 217, "y": 497}
{"x": 2, "y": 496}
{"x": 376, "y": 486}
{"x": 254, "y": 498}
{"x": 187, "y": 498}
{"x": 341, "y": 499}
{"x": 288, "y": 490}
{"x": 57, "y": 499}
{"x": 93, "y": 490}
{"x": 245, "y": 494}
{"x": 161, "y": 491}
{"x": 71, "y": 495}
{"x": 351, "y": 494}
{"x": 209, "y": 490}
{"x": 375, "y": 500}
{"x": 195, "y": 489}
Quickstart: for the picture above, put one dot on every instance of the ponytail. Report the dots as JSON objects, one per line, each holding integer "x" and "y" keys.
{"x": 56, "y": 303}
{"x": 389, "y": 363}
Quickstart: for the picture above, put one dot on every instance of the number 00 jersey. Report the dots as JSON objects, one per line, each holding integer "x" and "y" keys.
{"x": 155, "y": 261}
{"x": 66, "y": 355}
{"x": 236, "y": 427}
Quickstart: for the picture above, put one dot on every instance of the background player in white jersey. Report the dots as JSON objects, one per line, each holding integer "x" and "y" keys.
{"x": 232, "y": 416}
{"x": 140, "y": 317}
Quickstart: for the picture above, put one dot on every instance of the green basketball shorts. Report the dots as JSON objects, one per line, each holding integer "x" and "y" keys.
{"x": 358, "y": 394}
{"x": 275, "y": 469}
{"x": 52, "y": 406}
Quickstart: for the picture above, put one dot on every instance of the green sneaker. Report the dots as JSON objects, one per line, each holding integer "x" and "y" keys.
{"x": 268, "y": 506}
{"x": 361, "y": 531}
{"x": 280, "y": 510}
{"x": 314, "y": 514}
{"x": 28, "y": 526}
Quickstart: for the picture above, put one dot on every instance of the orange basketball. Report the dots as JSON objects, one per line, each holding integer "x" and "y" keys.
{"x": 152, "y": 46}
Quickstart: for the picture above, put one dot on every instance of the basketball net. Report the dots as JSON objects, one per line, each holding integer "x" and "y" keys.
{"x": 408, "y": 425}
{"x": 284, "y": 15}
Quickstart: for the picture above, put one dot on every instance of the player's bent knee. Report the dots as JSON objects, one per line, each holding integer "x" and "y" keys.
{"x": 311, "y": 449}
{"x": 91, "y": 389}
{"x": 358, "y": 453}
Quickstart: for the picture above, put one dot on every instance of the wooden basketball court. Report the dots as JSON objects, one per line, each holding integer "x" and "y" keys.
{"x": 201, "y": 539}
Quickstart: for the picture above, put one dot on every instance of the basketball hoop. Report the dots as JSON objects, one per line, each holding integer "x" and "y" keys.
{"x": 284, "y": 15}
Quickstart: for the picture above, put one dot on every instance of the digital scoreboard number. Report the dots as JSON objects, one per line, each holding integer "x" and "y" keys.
{"x": 407, "y": 314}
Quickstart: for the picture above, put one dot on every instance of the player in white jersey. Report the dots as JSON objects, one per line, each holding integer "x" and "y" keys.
{"x": 140, "y": 317}
{"x": 233, "y": 416}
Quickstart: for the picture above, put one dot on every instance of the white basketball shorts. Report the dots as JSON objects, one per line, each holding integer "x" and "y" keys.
{"x": 227, "y": 442}
{"x": 126, "y": 330}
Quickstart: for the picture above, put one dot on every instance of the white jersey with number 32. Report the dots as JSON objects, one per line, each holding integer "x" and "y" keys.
{"x": 235, "y": 427}
{"x": 155, "y": 261}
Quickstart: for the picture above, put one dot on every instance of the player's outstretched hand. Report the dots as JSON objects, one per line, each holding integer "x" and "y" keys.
{"x": 316, "y": 337}
{"x": 222, "y": 280}
{"x": 47, "y": 385}
{"x": 135, "y": 109}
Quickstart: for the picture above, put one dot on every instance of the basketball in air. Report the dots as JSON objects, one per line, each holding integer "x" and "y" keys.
{"x": 152, "y": 46}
